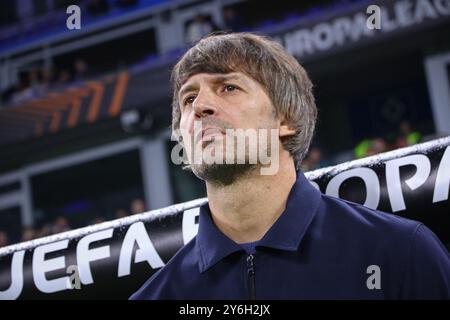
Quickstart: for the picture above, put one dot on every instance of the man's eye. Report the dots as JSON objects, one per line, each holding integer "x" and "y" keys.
{"x": 189, "y": 100}
{"x": 229, "y": 87}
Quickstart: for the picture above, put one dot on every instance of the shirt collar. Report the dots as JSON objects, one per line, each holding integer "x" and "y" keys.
{"x": 285, "y": 234}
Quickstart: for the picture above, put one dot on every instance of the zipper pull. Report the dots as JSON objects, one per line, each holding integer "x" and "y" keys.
{"x": 250, "y": 265}
{"x": 251, "y": 276}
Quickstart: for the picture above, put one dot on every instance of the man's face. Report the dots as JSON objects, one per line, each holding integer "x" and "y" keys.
{"x": 221, "y": 103}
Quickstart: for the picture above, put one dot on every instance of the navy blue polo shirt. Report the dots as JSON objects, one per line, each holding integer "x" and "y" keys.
{"x": 321, "y": 247}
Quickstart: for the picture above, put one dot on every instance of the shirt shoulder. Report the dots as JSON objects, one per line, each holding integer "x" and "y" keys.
{"x": 170, "y": 279}
{"x": 427, "y": 275}
{"x": 366, "y": 220}
{"x": 415, "y": 263}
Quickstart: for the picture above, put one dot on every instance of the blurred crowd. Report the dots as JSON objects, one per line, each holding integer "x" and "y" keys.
{"x": 37, "y": 81}
{"x": 406, "y": 136}
{"x": 317, "y": 157}
{"x": 63, "y": 223}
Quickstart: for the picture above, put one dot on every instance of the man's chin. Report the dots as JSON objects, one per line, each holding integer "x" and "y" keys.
{"x": 222, "y": 174}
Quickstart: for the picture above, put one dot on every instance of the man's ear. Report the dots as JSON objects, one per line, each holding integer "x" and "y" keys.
{"x": 285, "y": 129}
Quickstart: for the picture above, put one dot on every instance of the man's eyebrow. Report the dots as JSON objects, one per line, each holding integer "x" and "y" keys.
{"x": 190, "y": 87}
{"x": 226, "y": 77}
{"x": 215, "y": 79}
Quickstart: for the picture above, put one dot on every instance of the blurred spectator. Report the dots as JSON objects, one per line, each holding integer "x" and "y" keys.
{"x": 44, "y": 231}
{"x": 198, "y": 28}
{"x": 361, "y": 148}
{"x": 80, "y": 69}
{"x": 411, "y": 136}
{"x": 28, "y": 234}
{"x": 231, "y": 20}
{"x": 400, "y": 142}
{"x": 121, "y": 213}
{"x": 97, "y": 7}
{"x": 34, "y": 78}
{"x": 61, "y": 224}
{"x": 3, "y": 239}
{"x": 369, "y": 147}
{"x": 137, "y": 206}
{"x": 377, "y": 145}
{"x": 64, "y": 76}
{"x": 38, "y": 81}
{"x": 47, "y": 77}
{"x": 32, "y": 84}
{"x": 23, "y": 91}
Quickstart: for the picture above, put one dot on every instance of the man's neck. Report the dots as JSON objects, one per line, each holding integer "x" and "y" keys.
{"x": 245, "y": 210}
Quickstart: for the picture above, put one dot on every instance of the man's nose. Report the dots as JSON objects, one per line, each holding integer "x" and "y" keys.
{"x": 204, "y": 105}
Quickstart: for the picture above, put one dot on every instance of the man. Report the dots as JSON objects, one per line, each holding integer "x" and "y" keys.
{"x": 274, "y": 236}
